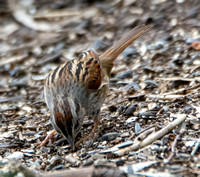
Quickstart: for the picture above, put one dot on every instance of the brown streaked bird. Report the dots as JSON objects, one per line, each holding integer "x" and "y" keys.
{"x": 78, "y": 88}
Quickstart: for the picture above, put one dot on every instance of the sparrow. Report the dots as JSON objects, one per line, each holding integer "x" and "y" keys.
{"x": 78, "y": 88}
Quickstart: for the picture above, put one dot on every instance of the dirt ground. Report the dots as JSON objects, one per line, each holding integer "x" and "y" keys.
{"x": 155, "y": 82}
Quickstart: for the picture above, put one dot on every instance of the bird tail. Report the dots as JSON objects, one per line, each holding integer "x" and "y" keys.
{"x": 109, "y": 56}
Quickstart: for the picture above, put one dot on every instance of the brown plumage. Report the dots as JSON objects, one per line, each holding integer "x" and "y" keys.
{"x": 78, "y": 88}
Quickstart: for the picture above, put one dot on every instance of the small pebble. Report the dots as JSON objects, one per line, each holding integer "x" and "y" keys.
{"x": 131, "y": 119}
{"x": 46, "y": 150}
{"x": 189, "y": 40}
{"x": 120, "y": 162}
{"x": 110, "y": 136}
{"x": 121, "y": 109}
{"x": 124, "y": 75}
{"x": 147, "y": 114}
{"x": 137, "y": 128}
{"x": 166, "y": 108}
{"x": 156, "y": 46}
{"x": 179, "y": 82}
{"x": 88, "y": 162}
{"x": 73, "y": 161}
{"x": 17, "y": 72}
{"x": 125, "y": 144}
{"x": 152, "y": 106}
{"x": 149, "y": 70}
{"x": 155, "y": 148}
{"x": 15, "y": 156}
{"x": 150, "y": 84}
{"x": 131, "y": 110}
{"x": 112, "y": 108}
{"x": 178, "y": 62}
{"x": 99, "y": 45}
{"x": 132, "y": 85}
{"x": 129, "y": 53}
{"x": 188, "y": 109}
{"x": 124, "y": 135}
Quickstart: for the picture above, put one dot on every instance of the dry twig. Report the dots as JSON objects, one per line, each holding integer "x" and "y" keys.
{"x": 165, "y": 97}
{"x": 180, "y": 130}
{"x": 151, "y": 138}
{"x": 195, "y": 148}
{"x": 20, "y": 14}
{"x": 173, "y": 149}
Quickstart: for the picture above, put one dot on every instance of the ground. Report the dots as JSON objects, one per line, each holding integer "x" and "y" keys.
{"x": 154, "y": 82}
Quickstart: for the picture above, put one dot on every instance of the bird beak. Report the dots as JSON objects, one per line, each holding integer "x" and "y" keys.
{"x": 71, "y": 142}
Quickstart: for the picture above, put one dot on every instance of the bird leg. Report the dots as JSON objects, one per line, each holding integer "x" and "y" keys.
{"x": 91, "y": 135}
{"x": 50, "y": 136}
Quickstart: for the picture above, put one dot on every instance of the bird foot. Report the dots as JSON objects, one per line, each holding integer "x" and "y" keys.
{"x": 87, "y": 138}
{"x": 90, "y": 136}
{"x": 50, "y": 136}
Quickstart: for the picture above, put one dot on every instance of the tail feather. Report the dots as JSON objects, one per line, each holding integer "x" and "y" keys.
{"x": 108, "y": 57}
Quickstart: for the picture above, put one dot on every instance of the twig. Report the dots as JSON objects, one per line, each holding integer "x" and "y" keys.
{"x": 57, "y": 13}
{"x": 19, "y": 12}
{"x": 146, "y": 131}
{"x": 173, "y": 149}
{"x": 49, "y": 59}
{"x": 195, "y": 148}
{"x": 87, "y": 172}
{"x": 177, "y": 78}
{"x": 144, "y": 134}
{"x": 14, "y": 59}
{"x": 165, "y": 97}
{"x": 180, "y": 93}
{"x": 180, "y": 130}
{"x": 182, "y": 90}
{"x": 151, "y": 138}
